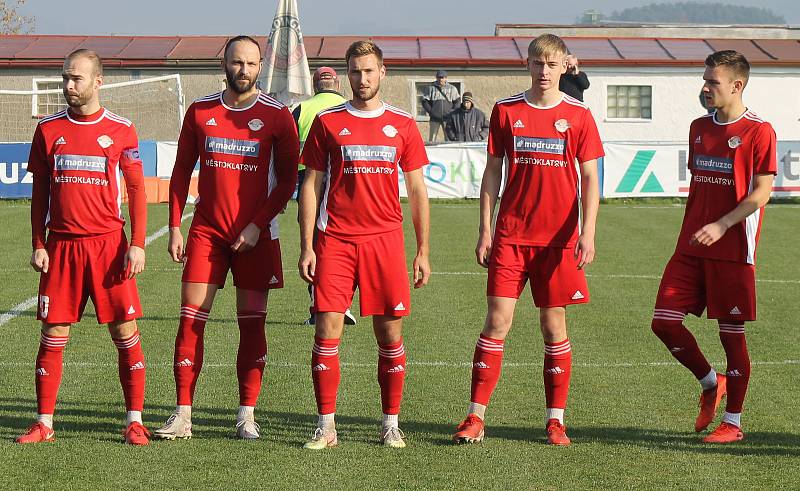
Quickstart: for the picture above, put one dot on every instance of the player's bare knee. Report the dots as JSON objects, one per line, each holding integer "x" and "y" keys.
{"x": 199, "y": 294}
{"x": 498, "y": 324}
{"x": 553, "y": 324}
{"x": 55, "y": 329}
{"x": 122, "y": 330}
{"x": 329, "y": 325}
{"x": 388, "y": 329}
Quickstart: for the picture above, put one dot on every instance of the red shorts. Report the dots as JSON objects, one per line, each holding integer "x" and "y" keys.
{"x": 86, "y": 267}
{"x": 555, "y": 278}
{"x": 377, "y": 267}
{"x": 692, "y": 284}
{"x": 209, "y": 258}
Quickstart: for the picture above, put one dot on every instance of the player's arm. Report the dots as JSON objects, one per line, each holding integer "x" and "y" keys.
{"x": 310, "y": 197}
{"x": 420, "y": 215}
{"x": 130, "y": 164}
{"x": 764, "y": 169}
{"x": 590, "y": 203}
{"x": 490, "y": 190}
{"x": 40, "y": 201}
{"x": 315, "y": 158}
{"x": 185, "y": 160}
{"x": 712, "y": 232}
{"x": 286, "y": 154}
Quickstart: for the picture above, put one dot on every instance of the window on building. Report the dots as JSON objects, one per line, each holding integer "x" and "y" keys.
{"x": 48, "y": 103}
{"x": 629, "y": 102}
{"x": 419, "y": 87}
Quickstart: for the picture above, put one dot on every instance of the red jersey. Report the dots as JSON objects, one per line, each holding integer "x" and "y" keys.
{"x": 360, "y": 152}
{"x": 76, "y": 161}
{"x": 539, "y": 204}
{"x": 248, "y": 165}
{"x": 723, "y": 159}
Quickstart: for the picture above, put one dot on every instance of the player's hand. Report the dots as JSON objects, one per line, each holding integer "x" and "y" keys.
{"x": 307, "y": 265}
{"x": 709, "y": 234}
{"x": 134, "y": 262}
{"x": 40, "y": 260}
{"x": 422, "y": 270}
{"x": 584, "y": 251}
{"x": 483, "y": 251}
{"x": 247, "y": 239}
{"x": 175, "y": 245}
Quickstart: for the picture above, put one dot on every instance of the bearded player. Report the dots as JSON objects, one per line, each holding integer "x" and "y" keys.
{"x": 540, "y": 235}
{"x": 352, "y": 155}
{"x": 76, "y": 158}
{"x": 733, "y": 160}
{"x": 248, "y": 149}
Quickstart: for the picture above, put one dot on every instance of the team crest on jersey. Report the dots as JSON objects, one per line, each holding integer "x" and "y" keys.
{"x": 734, "y": 141}
{"x": 104, "y": 141}
{"x": 562, "y": 125}
{"x": 390, "y": 131}
{"x": 255, "y": 124}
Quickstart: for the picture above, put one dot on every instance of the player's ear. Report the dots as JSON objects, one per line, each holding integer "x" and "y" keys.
{"x": 383, "y": 71}
{"x": 738, "y": 86}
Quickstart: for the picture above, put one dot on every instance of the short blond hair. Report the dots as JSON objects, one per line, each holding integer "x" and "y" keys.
{"x": 364, "y": 48}
{"x": 546, "y": 45}
{"x": 89, "y": 55}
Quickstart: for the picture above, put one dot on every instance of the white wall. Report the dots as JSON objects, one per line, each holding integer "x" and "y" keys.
{"x": 772, "y": 93}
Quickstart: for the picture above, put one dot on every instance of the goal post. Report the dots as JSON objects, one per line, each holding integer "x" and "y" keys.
{"x": 155, "y": 105}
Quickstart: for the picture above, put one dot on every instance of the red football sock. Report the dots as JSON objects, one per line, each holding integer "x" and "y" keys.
{"x": 731, "y": 333}
{"x": 325, "y": 373}
{"x": 49, "y": 366}
{"x": 557, "y": 370}
{"x": 189, "y": 352}
{"x": 131, "y": 371}
{"x": 668, "y": 326}
{"x": 252, "y": 355}
{"x": 487, "y": 363}
{"x": 391, "y": 375}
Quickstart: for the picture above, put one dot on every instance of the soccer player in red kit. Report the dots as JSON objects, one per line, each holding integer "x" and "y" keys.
{"x": 352, "y": 155}
{"x": 540, "y": 235}
{"x": 77, "y": 158}
{"x": 732, "y": 157}
{"x": 247, "y": 145}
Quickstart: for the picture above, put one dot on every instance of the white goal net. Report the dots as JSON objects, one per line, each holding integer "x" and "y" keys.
{"x": 155, "y": 105}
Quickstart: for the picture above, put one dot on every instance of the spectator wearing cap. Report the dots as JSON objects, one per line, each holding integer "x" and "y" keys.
{"x": 467, "y": 123}
{"x": 326, "y": 95}
{"x": 439, "y": 101}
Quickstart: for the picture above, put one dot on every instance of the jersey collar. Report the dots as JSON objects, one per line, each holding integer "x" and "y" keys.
{"x": 229, "y": 108}
{"x": 714, "y": 118}
{"x": 89, "y": 119}
{"x": 525, "y": 95}
{"x": 365, "y": 114}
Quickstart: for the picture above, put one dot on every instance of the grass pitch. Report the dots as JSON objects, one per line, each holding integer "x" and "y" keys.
{"x": 630, "y": 414}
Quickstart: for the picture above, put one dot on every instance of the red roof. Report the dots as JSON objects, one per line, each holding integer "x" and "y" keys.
{"x": 138, "y": 51}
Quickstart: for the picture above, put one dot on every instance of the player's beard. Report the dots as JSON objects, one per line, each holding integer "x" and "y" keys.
{"x": 78, "y": 99}
{"x": 366, "y": 94}
{"x": 235, "y": 85}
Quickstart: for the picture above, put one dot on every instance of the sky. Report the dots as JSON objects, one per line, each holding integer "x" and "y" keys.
{"x": 320, "y": 17}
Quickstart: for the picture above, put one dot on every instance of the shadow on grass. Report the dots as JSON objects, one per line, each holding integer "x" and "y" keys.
{"x": 105, "y": 421}
{"x": 755, "y": 443}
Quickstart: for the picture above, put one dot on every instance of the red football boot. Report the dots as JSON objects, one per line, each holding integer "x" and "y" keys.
{"x": 37, "y": 433}
{"x": 557, "y": 433}
{"x": 709, "y": 403}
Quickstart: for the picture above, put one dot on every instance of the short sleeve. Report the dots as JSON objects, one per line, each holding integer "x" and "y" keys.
{"x": 590, "y": 146}
{"x": 765, "y": 152}
{"x": 315, "y": 149}
{"x": 496, "y": 145}
{"x": 414, "y": 155}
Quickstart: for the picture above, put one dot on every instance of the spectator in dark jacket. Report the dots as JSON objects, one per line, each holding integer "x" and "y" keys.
{"x": 574, "y": 82}
{"x": 439, "y": 101}
{"x": 467, "y": 123}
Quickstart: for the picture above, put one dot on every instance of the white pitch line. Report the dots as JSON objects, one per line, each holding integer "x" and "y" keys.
{"x": 425, "y": 364}
{"x": 29, "y": 303}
